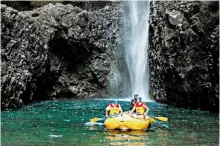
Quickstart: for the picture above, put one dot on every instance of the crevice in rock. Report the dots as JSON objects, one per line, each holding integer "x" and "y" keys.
{"x": 44, "y": 84}
{"x": 71, "y": 51}
{"x": 96, "y": 80}
{"x": 35, "y": 15}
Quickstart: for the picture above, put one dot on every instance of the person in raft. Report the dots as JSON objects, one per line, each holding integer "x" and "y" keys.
{"x": 113, "y": 109}
{"x": 139, "y": 107}
{"x": 133, "y": 101}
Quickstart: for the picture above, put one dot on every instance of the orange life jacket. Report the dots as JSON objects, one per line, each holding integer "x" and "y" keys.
{"x": 139, "y": 108}
{"x": 114, "y": 109}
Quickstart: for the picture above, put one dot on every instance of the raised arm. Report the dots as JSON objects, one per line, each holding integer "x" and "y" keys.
{"x": 133, "y": 102}
{"x": 121, "y": 111}
{"x": 147, "y": 108}
{"x": 106, "y": 111}
{"x": 132, "y": 110}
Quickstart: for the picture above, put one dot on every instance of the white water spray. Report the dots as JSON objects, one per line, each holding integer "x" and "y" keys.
{"x": 136, "y": 46}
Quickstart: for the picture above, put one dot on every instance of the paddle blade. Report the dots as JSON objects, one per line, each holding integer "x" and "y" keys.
{"x": 165, "y": 119}
{"x": 95, "y": 119}
{"x": 93, "y": 123}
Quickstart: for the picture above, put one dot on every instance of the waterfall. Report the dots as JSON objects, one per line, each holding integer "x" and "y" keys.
{"x": 135, "y": 43}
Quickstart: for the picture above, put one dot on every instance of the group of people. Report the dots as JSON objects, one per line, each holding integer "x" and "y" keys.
{"x": 137, "y": 108}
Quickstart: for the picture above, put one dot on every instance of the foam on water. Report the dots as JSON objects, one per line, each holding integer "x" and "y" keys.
{"x": 56, "y": 136}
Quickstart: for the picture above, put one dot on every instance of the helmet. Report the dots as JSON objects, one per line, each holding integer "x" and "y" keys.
{"x": 139, "y": 98}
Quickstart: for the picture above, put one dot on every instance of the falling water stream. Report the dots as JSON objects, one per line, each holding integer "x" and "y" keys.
{"x": 136, "y": 27}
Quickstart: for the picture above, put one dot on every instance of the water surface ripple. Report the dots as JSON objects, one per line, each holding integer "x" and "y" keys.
{"x": 62, "y": 123}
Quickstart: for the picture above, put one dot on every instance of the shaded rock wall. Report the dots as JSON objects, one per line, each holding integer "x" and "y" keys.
{"x": 184, "y": 54}
{"x": 56, "y": 51}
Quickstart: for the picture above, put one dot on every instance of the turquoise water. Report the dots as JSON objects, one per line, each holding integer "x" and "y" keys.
{"x": 62, "y": 123}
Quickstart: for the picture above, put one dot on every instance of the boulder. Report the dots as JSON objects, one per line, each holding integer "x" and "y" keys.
{"x": 56, "y": 51}
{"x": 184, "y": 60}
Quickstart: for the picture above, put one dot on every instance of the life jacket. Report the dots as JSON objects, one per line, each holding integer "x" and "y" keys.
{"x": 114, "y": 109}
{"x": 144, "y": 103}
{"x": 139, "y": 108}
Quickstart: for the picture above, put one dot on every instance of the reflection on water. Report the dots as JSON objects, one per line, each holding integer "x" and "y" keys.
{"x": 62, "y": 123}
{"x": 163, "y": 136}
{"x": 120, "y": 137}
{"x": 127, "y": 144}
{"x": 125, "y": 135}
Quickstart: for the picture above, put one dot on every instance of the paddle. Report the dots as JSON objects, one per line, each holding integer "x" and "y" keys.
{"x": 95, "y": 120}
{"x": 164, "y": 119}
{"x": 103, "y": 118}
{"x": 93, "y": 123}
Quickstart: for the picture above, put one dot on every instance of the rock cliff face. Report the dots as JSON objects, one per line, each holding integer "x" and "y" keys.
{"x": 56, "y": 51}
{"x": 184, "y": 53}
{"x": 30, "y": 5}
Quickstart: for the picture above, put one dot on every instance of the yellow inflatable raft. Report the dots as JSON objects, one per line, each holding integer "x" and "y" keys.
{"x": 126, "y": 122}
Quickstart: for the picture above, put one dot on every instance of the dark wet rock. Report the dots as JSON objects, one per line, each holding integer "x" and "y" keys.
{"x": 184, "y": 54}
{"x": 56, "y": 51}
{"x": 30, "y": 5}
{"x": 175, "y": 17}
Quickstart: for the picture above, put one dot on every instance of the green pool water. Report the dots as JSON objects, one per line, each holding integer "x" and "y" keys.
{"x": 62, "y": 123}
